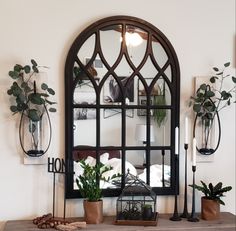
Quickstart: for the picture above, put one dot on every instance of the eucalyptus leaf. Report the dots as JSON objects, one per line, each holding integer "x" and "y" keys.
{"x": 44, "y": 86}
{"x": 34, "y": 63}
{"x": 197, "y": 107}
{"x": 13, "y": 108}
{"x": 227, "y": 64}
{"x": 234, "y": 79}
{"x": 51, "y": 91}
{"x": 212, "y": 79}
{"x": 9, "y": 92}
{"x": 49, "y": 102}
{"x": 35, "y": 69}
{"x": 33, "y": 115}
{"x": 36, "y": 98}
{"x": 51, "y": 109}
{"x": 17, "y": 68}
{"x": 27, "y": 69}
{"x": 13, "y": 74}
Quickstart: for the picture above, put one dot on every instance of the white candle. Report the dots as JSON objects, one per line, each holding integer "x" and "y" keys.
{"x": 176, "y": 140}
{"x": 194, "y": 151}
{"x": 186, "y": 131}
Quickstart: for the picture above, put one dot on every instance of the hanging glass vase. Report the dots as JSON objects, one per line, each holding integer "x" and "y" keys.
{"x": 35, "y": 136}
{"x": 204, "y": 131}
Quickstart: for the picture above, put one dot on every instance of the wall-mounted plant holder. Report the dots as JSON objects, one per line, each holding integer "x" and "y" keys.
{"x": 206, "y": 139}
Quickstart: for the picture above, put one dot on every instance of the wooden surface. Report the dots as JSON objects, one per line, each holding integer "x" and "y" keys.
{"x": 227, "y": 222}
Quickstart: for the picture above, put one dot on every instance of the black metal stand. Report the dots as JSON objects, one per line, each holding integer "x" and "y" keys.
{"x": 163, "y": 168}
{"x": 185, "y": 213}
{"x": 175, "y": 216}
{"x": 193, "y": 217}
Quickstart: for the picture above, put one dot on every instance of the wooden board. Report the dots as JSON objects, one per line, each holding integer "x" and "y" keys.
{"x": 138, "y": 222}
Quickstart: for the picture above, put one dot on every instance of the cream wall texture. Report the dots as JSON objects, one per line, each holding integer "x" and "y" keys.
{"x": 203, "y": 35}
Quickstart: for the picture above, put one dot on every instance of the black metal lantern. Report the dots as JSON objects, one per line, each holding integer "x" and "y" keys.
{"x": 137, "y": 202}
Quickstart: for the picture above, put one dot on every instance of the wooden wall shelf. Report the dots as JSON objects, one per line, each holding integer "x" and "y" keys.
{"x": 227, "y": 222}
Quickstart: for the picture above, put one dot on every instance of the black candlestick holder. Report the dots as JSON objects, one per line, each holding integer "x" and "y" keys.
{"x": 193, "y": 217}
{"x": 175, "y": 216}
{"x": 185, "y": 213}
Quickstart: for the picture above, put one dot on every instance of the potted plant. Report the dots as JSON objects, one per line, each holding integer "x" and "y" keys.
{"x": 32, "y": 103}
{"x": 208, "y": 101}
{"x": 88, "y": 184}
{"x": 210, "y": 202}
{"x": 147, "y": 212}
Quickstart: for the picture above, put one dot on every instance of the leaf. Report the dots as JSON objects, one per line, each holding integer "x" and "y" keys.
{"x": 33, "y": 115}
{"x": 234, "y": 79}
{"x": 51, "y": 109}
{"x": 218, "y": 186}
{"x": 51, "y": 91}
{"x": 215, "y": 69}
{"x": 44, "y": 86}
{"x": 212, "y": 79}
{"x": 50, "y": 102}
{"x": 227, "y": 64}
{"x": 210, "y": 94}
{"x": 197, "y": 107}
{"x": 13, "y": 108}
{"x": 203, "y": 86}
{"x": 220, "y": 73}
{"x": 27, "y": 69}
{"x": 9, "y": 91}
{"x": 17, "y": 68}
{"x": 13, "y": 74}
{"x": 35, "y": 98}
{"x": 221, "y": 202}
{"x": 35, "y": 69}
{"x": 34, "y": 62}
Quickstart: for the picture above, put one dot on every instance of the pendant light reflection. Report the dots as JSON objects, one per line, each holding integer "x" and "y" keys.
{"x": 133, "y": 39}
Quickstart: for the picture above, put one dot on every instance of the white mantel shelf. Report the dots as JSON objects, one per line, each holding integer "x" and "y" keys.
{"x": 227, "y": 222}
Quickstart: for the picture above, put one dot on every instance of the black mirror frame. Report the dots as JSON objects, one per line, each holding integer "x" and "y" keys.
{"x": 69, "y": 89}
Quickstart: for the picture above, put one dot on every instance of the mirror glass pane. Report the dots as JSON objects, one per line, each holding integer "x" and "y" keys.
{"x": 87, "y": 49}
{"x": 161, "y": 121}
{"x": 159, "y": 52}
{"x": 84, "y": 120}
{"x": 160, "y": 168}
{"x": 136, "y": 43}
{"x": 110, "y": 39}
{"x": 148, "y": 71}
{"x": 110, "y": 127}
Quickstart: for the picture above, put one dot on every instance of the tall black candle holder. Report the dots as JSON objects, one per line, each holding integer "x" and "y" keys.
{"x": 185, "y": 213}
{"x": 175, "y": 216}
{"x": 193, "y": 217}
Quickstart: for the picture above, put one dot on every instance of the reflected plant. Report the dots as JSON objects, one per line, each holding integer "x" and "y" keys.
{"x": 160, "y": 115}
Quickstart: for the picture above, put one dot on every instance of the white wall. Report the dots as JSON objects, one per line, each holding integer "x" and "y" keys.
{"x": 203, "y": 35}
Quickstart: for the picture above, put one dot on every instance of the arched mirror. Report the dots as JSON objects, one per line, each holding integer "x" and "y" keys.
{"x": 122, "y": 85}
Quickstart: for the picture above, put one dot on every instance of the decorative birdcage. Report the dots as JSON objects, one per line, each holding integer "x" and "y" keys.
{"x": 136, "y": 203}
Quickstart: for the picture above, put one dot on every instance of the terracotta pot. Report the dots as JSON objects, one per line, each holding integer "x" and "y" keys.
{"x": 93, "y": 211}
{"x": 210, "y": 209}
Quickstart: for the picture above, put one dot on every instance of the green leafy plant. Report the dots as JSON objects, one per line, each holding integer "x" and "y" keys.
{"x": 27, "y": 100}
{"x": 211, "y": 99}
{"x": 87, "y": 182}
{"x": 212, "y": 192}
{"x": 159, "y": 114}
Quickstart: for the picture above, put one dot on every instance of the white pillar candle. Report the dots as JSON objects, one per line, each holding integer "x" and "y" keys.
{"x": 194, "y": 151}
{"x": 176, "y": 140}
{"x": 186, "y": 131}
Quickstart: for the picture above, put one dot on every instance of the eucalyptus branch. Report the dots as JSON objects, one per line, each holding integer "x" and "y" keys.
{"x": 207, "y": 102}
